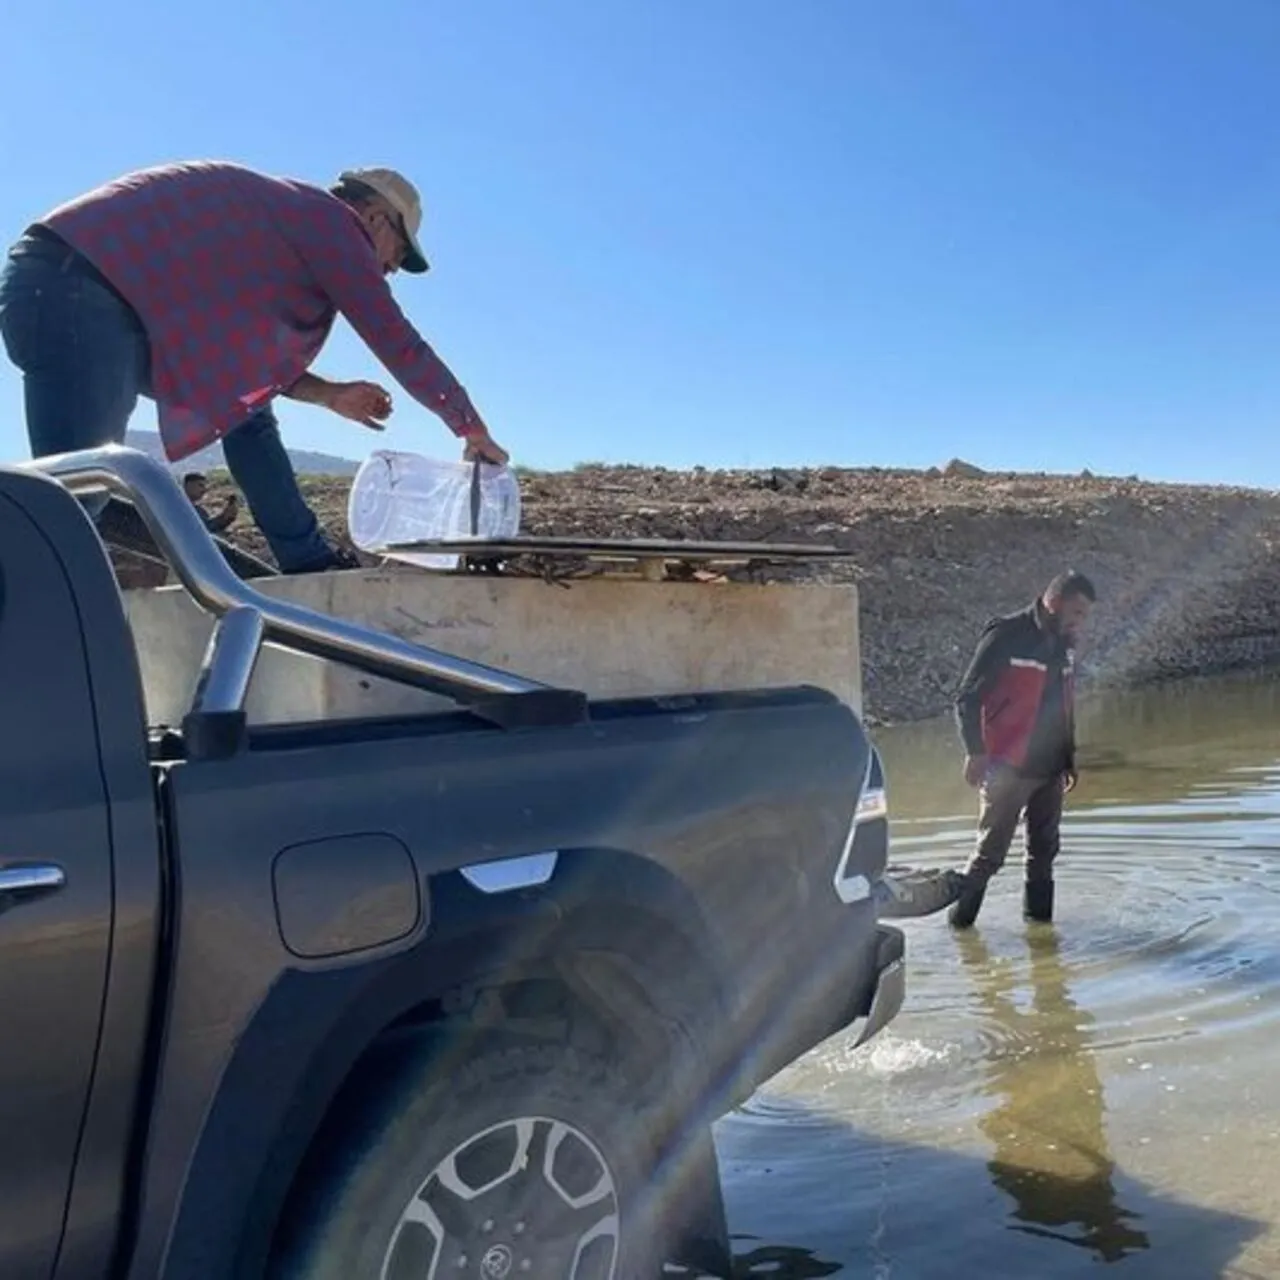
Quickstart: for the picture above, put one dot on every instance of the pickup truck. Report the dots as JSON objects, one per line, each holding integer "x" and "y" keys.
{"x": 458, "y": 993}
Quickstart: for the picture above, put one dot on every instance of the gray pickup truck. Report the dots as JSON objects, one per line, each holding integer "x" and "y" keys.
{"x": 455, "y": 994}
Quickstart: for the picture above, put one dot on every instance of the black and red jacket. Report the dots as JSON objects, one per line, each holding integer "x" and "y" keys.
{"x": 1016, "y": 702}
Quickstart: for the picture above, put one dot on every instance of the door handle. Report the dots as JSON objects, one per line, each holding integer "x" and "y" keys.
{"x": 29, "y": 880}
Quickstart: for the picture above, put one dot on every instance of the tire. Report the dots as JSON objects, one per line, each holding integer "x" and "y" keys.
{"x": 564, "y": 1167}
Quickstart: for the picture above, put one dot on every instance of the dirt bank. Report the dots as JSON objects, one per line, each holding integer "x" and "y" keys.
{"x": 1188, "y": 575}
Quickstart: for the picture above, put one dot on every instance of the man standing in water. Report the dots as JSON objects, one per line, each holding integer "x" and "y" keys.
{"x": 1016, "y": 715}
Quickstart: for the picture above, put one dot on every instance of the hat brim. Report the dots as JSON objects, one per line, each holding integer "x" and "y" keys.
{"x": 415, "y": 261}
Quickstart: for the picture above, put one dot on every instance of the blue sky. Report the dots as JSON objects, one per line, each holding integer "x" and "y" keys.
{"x": 1037, "y": 234}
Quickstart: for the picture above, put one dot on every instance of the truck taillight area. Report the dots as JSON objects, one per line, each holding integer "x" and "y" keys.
{"x": 866, "y": 848}
{"x": 900, "y": 892}
{"x": 874, "y": 800}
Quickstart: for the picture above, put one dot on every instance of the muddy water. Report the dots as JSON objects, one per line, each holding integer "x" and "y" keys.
{"x": 1101, "y": 1092}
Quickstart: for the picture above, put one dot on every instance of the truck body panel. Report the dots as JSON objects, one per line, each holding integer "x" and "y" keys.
{"x": 716, "y": 801}
{"x": 77, "y": 964}
{"x": 236, "y": 929}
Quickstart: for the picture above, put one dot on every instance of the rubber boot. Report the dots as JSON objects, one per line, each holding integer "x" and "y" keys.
{"x": 1037, "y": 901}
{"x": 964, "y": 911}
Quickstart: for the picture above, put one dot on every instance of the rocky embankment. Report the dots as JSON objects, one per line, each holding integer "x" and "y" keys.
{"x": 1188, "y": 576}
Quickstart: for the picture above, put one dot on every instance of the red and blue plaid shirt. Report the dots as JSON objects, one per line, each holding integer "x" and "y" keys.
{"x": 237, "y": 278}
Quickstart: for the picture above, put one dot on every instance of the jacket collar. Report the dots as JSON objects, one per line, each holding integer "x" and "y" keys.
{"x": 1051, "y": 637}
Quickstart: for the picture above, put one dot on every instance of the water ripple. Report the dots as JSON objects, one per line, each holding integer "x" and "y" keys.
{"x": 1149, "y": 1009}
{"x": 1166, "y": 928}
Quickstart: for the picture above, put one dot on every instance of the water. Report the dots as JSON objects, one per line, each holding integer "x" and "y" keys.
{"x": 1101, "y": 1092}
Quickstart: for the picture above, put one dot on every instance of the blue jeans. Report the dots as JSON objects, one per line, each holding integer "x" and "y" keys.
{"x": 85, "y": 360}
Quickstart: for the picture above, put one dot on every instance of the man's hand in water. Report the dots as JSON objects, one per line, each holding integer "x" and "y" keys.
{"x": 975, "y": 770}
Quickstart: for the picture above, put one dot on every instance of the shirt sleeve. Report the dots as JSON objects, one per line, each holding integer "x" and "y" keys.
{"x": 345, "y": 267}
{"x": 985, "y": 664}
{"x": 1071, "y": 727}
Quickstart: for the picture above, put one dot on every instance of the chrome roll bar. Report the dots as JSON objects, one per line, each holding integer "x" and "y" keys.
{"x": 247, "y": 618}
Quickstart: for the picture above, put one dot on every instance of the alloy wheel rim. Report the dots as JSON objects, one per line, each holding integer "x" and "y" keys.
{"x": 527, "y": 1197}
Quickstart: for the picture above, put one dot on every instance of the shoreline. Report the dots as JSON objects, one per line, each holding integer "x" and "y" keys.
{"x": 1188, "y": 576}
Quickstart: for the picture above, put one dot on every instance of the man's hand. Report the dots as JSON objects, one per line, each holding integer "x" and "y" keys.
{"x": 482, "y": 445}
{"x": 975, "y": 770}
{"x": 226, "y": 517}
{"x": 363, "y": 402}
{"x": 1069, "y": 779}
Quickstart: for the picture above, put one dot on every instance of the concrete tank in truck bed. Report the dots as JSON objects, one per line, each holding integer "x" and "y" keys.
{"x": 606, "y": 637}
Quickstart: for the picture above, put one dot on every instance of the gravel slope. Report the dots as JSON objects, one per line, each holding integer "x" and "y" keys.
{"x": 1187, "y": 575}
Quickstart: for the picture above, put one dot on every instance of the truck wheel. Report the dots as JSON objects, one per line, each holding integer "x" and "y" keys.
{"x": 524, "y": 1162}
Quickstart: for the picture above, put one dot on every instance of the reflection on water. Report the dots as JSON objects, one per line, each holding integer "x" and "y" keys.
{"x": 1055, "y": 1098}
{"x": 1050, "y": 1149}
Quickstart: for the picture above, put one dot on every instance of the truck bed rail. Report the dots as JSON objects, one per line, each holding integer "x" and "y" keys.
{"x": 247, "y": 618}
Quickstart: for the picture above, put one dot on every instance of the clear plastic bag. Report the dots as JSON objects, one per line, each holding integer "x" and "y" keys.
{"x": 404, "y": 497}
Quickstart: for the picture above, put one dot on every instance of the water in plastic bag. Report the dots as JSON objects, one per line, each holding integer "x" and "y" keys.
{"x": 404, "y": 497}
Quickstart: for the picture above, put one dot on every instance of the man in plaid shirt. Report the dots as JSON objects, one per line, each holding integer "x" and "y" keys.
{"x": 210, "y": 288}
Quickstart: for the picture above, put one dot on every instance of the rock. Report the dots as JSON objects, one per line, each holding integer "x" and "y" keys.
{"x": 787, "y": 481}
{"x": 958, "y": 469}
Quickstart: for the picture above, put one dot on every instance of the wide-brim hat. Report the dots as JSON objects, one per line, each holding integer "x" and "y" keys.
{"x": 403, "y": 197}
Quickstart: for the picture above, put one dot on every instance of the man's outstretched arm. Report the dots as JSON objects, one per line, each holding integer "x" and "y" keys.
{"x": 346, "y": 268}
